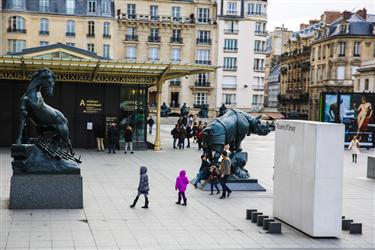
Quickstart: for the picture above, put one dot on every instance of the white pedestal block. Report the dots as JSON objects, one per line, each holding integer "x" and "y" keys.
{"x": 308, "y": 176}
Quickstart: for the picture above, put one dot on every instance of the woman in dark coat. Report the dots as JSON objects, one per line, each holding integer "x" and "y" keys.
{"x": 128, "y": 139}
{"x": 99, "y": 136}
{"x": 143, "y": 187}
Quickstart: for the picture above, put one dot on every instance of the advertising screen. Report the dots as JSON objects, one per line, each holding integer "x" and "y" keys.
{"x": 355, "y": 111}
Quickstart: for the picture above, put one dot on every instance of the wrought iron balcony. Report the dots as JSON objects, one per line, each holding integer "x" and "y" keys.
{"x": 260, "y": 33}
{"x": 15, "y": 30}
{"x": 44, "y": 32}
{"x": 258, "y": 69}
{"x": 198, "y": 106}
{"x": 260, "y": 51}
{"x": 232, "y": 50}
{"x": 203, "y": 20}
{"x": 90, "y": 35}
{"x": 207, "y": 62}
{"x": 154, "y": 39}
{"x": 202, "y": 84}
{"x": 231, "y": 31}
{"x": 151, "y": 19}
{"x": 131, "y": 37}
{"x": 72, "y": 34}
{"x": 106, "y": 36}
{"x": 257, "y": 87}
{"x": 204, "y": 41}
{"x": 229, "y": 68}
{"x": 175, "y": 83}
{"x": 176, "y": 40}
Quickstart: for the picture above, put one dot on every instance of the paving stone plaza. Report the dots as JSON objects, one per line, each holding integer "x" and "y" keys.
{"x": 110, "y": 183}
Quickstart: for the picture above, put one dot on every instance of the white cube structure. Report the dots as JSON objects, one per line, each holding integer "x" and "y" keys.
{"x": 308, "y": 176}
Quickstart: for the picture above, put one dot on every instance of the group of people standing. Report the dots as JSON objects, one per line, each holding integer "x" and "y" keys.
{"x": 186, "y": 129}
{"x": 113, "y": 136}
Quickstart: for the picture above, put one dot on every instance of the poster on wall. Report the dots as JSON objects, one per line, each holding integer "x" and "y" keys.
{"x": 355, "y": 111}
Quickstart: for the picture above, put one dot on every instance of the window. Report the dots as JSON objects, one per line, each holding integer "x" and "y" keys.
{"x": 91, "y": 6}
{"x": 260, "y": 27}
{"x": 91, "y": 28}
{"x": 203, "y": 15}
{"x": 154, "y": 12}
{"x": 319, "y": 52}
{"x": 106, "y": 51}
{"x": 250, "y": 9}
{"x": 204, "y": 37}
{"x": 176, "y": 36}
{"x": 357, "y": 49}
{"x": 18, "y": 4}
{"x": 324, "y": 73}
{"x": 153, "y": 54}
{"x": 230, "y": 44}
{"x": 43, "y": 27}
{"x": 258, "y": 83}
{"x": 70, "y": 28}
{"x": 91, "y": 47}
{"x": 106, "y": 8}
{"x": 231, "y": 27}
{"x": 202, "y": 79}
{"x": 257, "y": 100}
{"x": 366, "y": 84}
{"x": 106, "y": 30}
{"x": 16, "y": 45}
{"x": 71, "y": 44}
{"x": 230, "y": 63}
{"x": 176, "y": 55}
{"x": 340, "y": 72}
{"x": 131, "y": 11}
{"x": 203, "y": 56}
{"x": 343, "y": 28}
{"x": 131, "y": 53}
{"x": 154, "y": 35}
{"x": 43, "y": 5}
{"x": 229, "y": 82}
{"x": 341, "y": 51}
{"x": 176, "y": 13}
{"x": 232, "y": 8}
{"x": 200, "y": 98}
{"x": 258, "y": 9}
{"x": 131, "y": 34}
{"x": 259, "y": 46}
{"x": 229, "y": 99}
{"x": 258, "y": 64}
{"x": 43, "y": 43}
{"x": 16, "y": 24}
{"x": 70, "y": 6}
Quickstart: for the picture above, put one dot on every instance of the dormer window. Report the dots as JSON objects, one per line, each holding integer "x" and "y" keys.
{"x": 106, "y": 8}
{"x": 44, "y": 5}
{"x": 343, "y": 28}
{"x": 91, "y": 7}
{"x": 18, "y": 4}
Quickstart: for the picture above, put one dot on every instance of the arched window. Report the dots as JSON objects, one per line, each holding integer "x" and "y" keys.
{"x": 44, "y": 26}
{"x": 70, "y": 28}
{"x": 16, "y": 24}
{"x": 106, "y": 30}
{"x": 91, "y": 28}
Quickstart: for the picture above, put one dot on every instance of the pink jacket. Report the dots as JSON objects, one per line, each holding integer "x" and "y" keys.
{"x": 182, "y": 181}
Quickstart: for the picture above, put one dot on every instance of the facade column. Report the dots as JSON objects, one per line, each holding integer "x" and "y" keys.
{"x": 157, "y": 143}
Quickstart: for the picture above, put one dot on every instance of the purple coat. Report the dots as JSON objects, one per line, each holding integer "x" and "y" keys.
{"x": 182, "y": 181}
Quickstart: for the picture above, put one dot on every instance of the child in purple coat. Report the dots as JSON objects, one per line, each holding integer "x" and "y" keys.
{"x": 181, "y": 184}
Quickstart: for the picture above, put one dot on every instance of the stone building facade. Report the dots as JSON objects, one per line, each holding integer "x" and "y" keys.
{"x": 365, "y": 77}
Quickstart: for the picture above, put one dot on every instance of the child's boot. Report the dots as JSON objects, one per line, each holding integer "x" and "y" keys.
{"x": 184, "y": 204}
{"x": 134, "y": 202}
{"x": 146, "y": 203}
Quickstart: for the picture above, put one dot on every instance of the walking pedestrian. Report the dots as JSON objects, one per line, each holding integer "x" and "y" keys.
{"x": 214, "y": 179}
{"x": 175, "y": 134}
{"x": 354, "y": 147}
{"x": 182, "y": 137}
{"x": 150, "y": 123}
{"x": 143, "y": 187}
{"x": 99, "y": 135}
{"x": 195, "y": 126}
{"x": 128, "y": 135}
{"x": 112, "y": 138}
{"x": 199, "y": 137}
{"x": 181, "y": 183}
{"x": 203, "y": 171}
{"x": 225, "y": 169}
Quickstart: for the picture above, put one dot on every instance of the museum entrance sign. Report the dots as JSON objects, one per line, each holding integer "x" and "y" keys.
{"x": 308, "y": 176}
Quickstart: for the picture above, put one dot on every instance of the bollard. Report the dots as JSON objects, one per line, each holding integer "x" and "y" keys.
{"x": 261, "y": 219}
{"x": 266, "y": 223}
{"x": 249, "y": 212}
{"x": 355, "y": 228}
{"x": 274, "y": 228}
{"x": 254, "y": 217}
{"x": 345, "y": 224}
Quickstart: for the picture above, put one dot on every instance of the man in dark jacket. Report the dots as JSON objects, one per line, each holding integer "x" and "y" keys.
{"x": 175, "y": 134}
{"x": 143, "y": 187}
{"x": 150, "y": 123}
{"x": 99, "y": 135}
{"x": 203, "y": 171}
{"x": 112, "y": 138}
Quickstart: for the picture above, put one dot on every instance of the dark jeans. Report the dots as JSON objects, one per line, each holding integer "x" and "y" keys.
{"x": 199, "y": 177}
{"x": 181, "y": 143}
{"x": 354, "y": 158}
{"x": 224, "y": 186}
{"x": 188, "y": 142}
{"x": 181, "y": 195}
{"x": 174, "y": 142}
{"x": 111, "y": 147}
{"x": 212, "y": 188}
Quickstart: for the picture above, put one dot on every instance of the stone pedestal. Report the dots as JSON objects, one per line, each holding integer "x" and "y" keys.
{"x": 308, "y": 176}
{"x": 234, "y": 185}
{"x": 46, "y": 191}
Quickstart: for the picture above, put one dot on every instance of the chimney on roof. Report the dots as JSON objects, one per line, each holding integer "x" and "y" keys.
{"x": 346, "y": 15}
{"x": 312, "y": 22}
{"x": 362, "y": 13}
{"x": 303, "y": 26}
{"x": 329, "y": 17}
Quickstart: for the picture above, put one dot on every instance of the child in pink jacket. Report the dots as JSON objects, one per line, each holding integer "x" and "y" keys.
{"x": 181, "y": 184}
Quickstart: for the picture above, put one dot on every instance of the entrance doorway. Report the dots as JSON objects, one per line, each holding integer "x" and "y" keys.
{"x": 174, "y": 100}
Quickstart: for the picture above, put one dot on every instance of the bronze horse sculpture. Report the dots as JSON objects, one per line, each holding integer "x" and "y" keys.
{"x": 231, "y": 128}
{"x": 44, "y": 117}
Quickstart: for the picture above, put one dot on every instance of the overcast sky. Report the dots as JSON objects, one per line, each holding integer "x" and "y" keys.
{"x": 293, "y": 12}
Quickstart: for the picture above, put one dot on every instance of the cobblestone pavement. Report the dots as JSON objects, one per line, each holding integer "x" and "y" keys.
{"x": 110, "y": 183}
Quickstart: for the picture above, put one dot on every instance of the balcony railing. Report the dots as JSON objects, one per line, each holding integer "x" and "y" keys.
{"x": 229, "y": 86}
{"x": 131, "y": 37}
{"x": 260, "y": 51}
{"x": 258, "y": 87}
{"x": 258, "y": 69}
{"x": 231, "y": 31}
{"x": 176, "y": 40}
{"x": 131, "y": 58}
{"x": 260, "y": 33}
{"x": 233, "y": 50}
{"x": 229, "y": 68}
{"x": 203, "y": 20}
{"x": 256, "y": 14}
{"x": 72, "y": 34}
{"x": 16, "y": 30}
{"x": 198, "y": 106}
{"x": 202, "y": 84}
{"x": 175, "y": 83}
{"x": 204, "y": 41}
{"x": 207, "y": 62}
{"x": 106, "y": 36}
{"x": 154, "y": 39}
{"x": 153, "y": 59}
{"x": 90, "y": 35}
{"x": 162, "y": 19}
{"x": 44, "y": 32}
